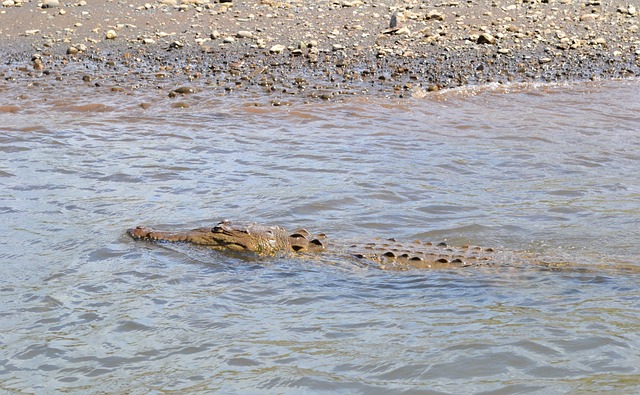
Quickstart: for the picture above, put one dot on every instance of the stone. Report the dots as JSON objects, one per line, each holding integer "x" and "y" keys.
{"x": 50, "y": 3}
{"x": 486, "y": 38}
{"x": 403, "y": 31}
{"x": 434, "y": 15}
{"x": 278, "y": 48}
{"x": 185, "y": 90}
{"x": 111, "y": 34}
{"x": 244, "y": 34}
{"x": 72, "y": 51}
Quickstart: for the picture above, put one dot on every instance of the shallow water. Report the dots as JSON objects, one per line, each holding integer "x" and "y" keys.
{"x": 551, "y": 170}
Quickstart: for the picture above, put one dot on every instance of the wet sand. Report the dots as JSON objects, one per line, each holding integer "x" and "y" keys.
{"x": 316, "y": 50}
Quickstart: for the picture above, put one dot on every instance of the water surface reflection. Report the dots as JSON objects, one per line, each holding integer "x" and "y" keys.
{"x": 550, "y": 170}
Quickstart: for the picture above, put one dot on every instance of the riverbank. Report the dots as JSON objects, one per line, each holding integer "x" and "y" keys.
{"x": 313, "y": 50}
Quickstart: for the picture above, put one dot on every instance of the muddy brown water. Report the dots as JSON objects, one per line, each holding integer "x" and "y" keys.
{"x": 552, "y": 170}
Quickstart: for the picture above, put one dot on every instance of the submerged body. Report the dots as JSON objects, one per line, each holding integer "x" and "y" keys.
{"x": 384, "y": 253}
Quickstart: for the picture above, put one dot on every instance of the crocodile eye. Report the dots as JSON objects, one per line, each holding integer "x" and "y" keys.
{"x": 216, "y": 229}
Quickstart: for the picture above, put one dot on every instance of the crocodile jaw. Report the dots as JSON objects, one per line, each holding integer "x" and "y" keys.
{"x": 201, "y": 236}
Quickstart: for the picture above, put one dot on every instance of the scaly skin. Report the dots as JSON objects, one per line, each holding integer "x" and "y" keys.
{"x": 260, "y": 239}
{"x": 385, "y": 254}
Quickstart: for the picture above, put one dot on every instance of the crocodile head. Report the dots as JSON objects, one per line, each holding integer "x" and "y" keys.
{"x": 226, "y": 235}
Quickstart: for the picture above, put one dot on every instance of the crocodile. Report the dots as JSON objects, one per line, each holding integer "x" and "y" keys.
{"x": 386, "y": 254}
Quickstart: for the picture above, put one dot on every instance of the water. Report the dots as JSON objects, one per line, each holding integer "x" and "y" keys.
{"x": 551, "y": 170}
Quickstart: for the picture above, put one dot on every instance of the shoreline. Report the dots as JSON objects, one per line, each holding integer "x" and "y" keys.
{"x": 314, "y": 50}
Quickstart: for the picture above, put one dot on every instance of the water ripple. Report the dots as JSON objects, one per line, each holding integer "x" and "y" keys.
{"x": 552, "y": 171}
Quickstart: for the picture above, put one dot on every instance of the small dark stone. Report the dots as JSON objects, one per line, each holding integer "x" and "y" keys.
{"x": 184, "y": 90}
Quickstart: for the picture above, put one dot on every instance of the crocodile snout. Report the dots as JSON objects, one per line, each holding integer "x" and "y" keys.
{"x": 139, "y": 232}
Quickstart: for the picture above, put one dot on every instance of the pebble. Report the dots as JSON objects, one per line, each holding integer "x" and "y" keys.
{"x": 435, "y": 15}
{"x": 185, "y": 90}
{"x": 111, "y": 34}
{"x": 50, "y": 3}
{"x": 486, "y": 38}
{"x": 278, "y": 48}
{"x": 403, "y": 31}
{"x": 244, "y": 34}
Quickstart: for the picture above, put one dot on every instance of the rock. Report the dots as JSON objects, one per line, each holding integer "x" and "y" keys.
{"x": 228, "y": 40}
{"x": 50, "y": 3}
{"x": 588, "y": 17}
{"x": 185, "y": 90}
{"x": 434, "y": 15}
{"x": 337, "y": 47}
{"x": 486, "y": 38}
{"x": 37, "y": 64}
{"x": 72, "y": 51}
{"x": 278, "y": 48}
{"x": 244, "y": 34}
{"x": 8, "y": 3}
{"x": 402, "y": 31}
{"x": 111, "y": 34}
